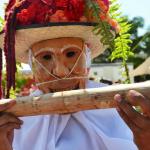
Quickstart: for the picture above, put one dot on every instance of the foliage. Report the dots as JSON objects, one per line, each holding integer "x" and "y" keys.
{"x": 103, "y": 28}
{"x": 120, "y": 46}
{"x": 1, "y": 23}
{"x": 141, "y": 43}
{"x": 140, "y": 46}
{"x": 20, "y": 82}
{"x": 122, "y": 49}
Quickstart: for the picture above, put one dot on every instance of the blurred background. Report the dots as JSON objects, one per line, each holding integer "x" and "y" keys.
{"x": 103, "y": 69}
{"x": 137, "y": 13}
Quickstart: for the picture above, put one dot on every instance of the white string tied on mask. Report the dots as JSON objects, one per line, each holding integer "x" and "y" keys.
{"x": 31, "y": 57}
{"x": 57, "y": 78}
{"x": 74, "y": 66}
{"x": 70, "y": 78}
{"x": 46, "y": 69}
{"x": 88, "y": 57}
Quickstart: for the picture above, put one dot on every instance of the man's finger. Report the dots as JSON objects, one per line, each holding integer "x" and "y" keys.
{"x": 9, "y": 127}
{"x": 6, "y": 104}
{"x": 130, "y": 124}
{"x": 10, "y": 136}
{"x": 9, "y": 118}
{"x": 132, "y": 114}
{"x": 137, "y": 99}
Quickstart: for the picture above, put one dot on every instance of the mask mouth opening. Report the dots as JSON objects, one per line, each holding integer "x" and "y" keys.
{"x": 64, "y": 89}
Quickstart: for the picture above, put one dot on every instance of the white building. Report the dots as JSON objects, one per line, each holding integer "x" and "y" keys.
{"x": 108, "y": 71}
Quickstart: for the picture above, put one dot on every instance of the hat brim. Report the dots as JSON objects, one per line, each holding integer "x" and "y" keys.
{"x": 28, "y": 35}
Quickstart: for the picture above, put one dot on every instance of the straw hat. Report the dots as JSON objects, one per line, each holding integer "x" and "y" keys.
{"x": 31, "y": 21}
{"x": 59, "y": 25}
{"x": 27, "y": 36}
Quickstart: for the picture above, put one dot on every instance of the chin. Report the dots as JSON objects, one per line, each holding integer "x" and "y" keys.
{"x": 64, "y": 85}
{"x": 73, "y": 85}
{"x": 61, "y": 88}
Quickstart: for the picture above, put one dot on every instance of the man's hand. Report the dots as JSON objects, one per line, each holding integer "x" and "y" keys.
{"x": 8, "y": 123}
{"x": 139, "y": 123}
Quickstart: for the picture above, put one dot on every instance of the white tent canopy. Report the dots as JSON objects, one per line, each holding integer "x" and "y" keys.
{"x": 143, "y": 69}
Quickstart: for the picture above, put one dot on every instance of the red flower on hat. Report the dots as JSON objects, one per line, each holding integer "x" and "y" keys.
{"x": 35, "y": 13}
{"x": 104, "y": 5}
{"x": 24, "y": 18}
{"x": 59, "y": 16}
{"x": 75, "y": 10}
{"x": 41, "y": 11}
{"x": 61, "y": 3}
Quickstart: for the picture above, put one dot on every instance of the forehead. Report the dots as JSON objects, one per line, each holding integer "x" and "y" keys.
{"x": 58, "y": 43}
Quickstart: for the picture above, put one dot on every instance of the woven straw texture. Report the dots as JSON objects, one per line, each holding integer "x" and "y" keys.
{"x": 25, "y": 38}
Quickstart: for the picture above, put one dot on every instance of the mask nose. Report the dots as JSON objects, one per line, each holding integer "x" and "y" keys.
{"x": 60, "y": 70}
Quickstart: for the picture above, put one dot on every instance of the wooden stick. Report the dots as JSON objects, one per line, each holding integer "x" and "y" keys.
{"x": 73, "y": 101}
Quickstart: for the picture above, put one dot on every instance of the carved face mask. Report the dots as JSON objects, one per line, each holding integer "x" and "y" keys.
{"x": 59, "y": 64}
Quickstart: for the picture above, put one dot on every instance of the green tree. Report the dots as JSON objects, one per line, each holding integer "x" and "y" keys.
{"x": 1, "y": 23}
{"x": 140, "y": 44}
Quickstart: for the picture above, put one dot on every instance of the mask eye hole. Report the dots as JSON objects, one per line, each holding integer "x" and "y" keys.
{"x": 70, "y": 54}
{"x": 47, "y": 57}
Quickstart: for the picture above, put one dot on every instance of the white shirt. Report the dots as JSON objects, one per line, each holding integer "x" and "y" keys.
{"x": 87, "y": 130}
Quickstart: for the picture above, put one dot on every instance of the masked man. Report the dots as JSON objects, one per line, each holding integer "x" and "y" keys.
{"x": 56, "y": 38}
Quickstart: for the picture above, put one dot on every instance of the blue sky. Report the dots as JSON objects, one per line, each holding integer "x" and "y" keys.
{"x": 131, "y": 8}
{"x": 134, "y": 8}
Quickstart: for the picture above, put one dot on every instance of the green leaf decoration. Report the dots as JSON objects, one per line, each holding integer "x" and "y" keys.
{"x": 119, "y": 45}
{"x": 122, "y": 49}
{"x": 1, "y": 23}
{"x": 103, "y": 28}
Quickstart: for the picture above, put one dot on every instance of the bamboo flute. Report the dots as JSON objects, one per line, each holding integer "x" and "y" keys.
{"x": 74, "y": 101}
